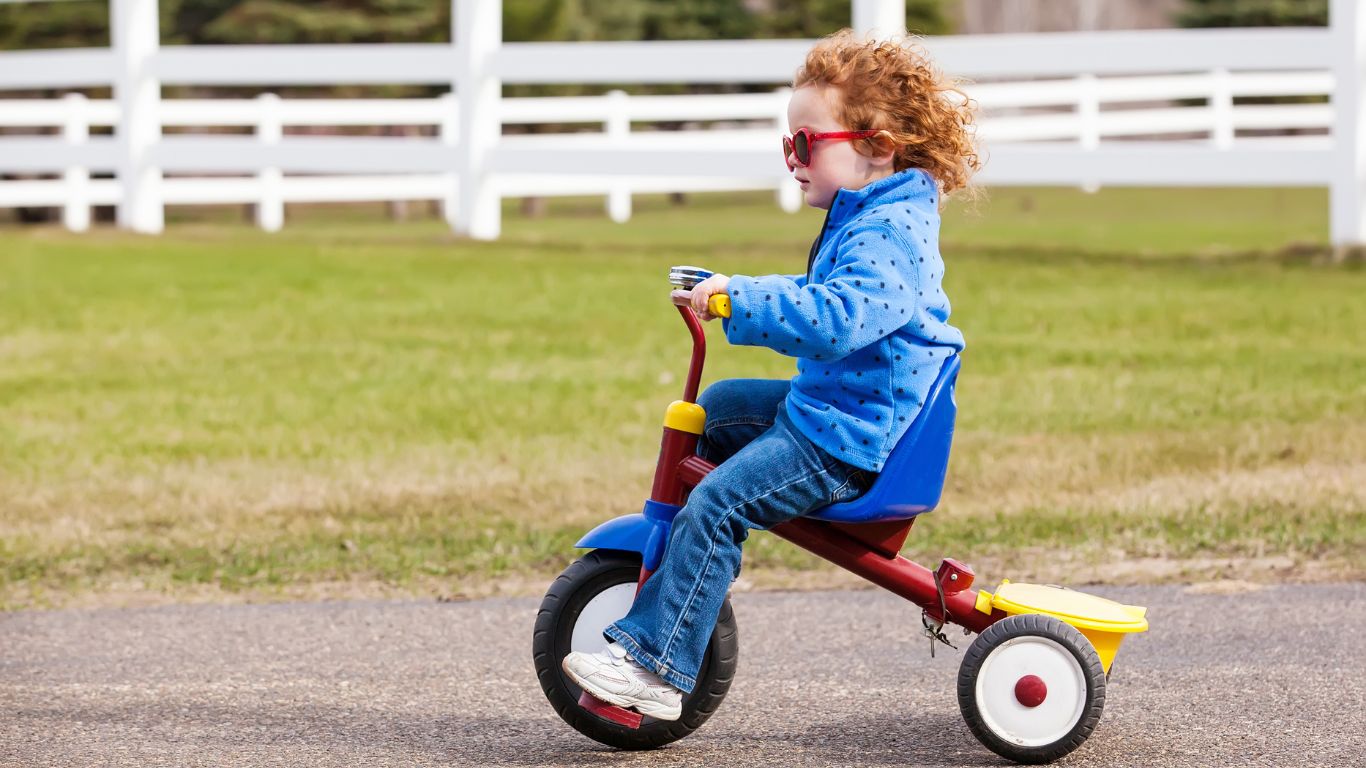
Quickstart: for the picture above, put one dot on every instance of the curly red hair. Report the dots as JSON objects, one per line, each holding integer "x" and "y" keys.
{"x": 893, "y": 87}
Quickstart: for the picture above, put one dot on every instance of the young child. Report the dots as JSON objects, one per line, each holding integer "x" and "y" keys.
{"x": 877, "y": 142}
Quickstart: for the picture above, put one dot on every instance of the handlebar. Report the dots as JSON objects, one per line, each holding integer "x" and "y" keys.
{"x": 718, "y": 304}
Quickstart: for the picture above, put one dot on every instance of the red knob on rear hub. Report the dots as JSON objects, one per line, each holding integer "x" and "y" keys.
{"x": 1030, "y": 691}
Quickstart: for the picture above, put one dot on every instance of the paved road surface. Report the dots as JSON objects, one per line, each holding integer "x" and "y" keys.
{"x": 1271, "y": 677}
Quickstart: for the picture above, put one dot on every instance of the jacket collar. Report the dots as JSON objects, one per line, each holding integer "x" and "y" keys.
{"x": 908, "y": 184}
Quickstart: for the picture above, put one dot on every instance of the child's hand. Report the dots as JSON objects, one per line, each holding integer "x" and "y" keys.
{"x": 706, "y": 289}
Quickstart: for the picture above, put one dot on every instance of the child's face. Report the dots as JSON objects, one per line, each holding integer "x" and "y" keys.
{"x": 834, "y": 163}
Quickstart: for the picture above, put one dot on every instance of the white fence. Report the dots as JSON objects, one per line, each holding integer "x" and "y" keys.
{"x": 1090, "y": 109}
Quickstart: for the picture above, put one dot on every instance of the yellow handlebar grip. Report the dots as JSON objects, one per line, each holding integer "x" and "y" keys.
{"x": 719, "y": 305}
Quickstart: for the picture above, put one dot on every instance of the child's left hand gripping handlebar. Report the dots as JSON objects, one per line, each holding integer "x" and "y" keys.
{"x": 687, "y": 278}
{"x": 718, "y": 305}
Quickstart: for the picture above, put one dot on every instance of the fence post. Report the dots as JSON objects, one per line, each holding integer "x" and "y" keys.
{"x": 1349, "y": 126}
{"x": 879, "y": 18}
{"x": 1221, "y": 108}
{"x": 618, "y": 129}
{"x": 76, "y": 130}
{"x": 477, "y": 36}
{"x": 135, "y": 36}
{"x": 270, "y": 206}
{"x": 789, "y": 191}
{"x": 1088, "y": 121}
{"x": 448, "y": 130}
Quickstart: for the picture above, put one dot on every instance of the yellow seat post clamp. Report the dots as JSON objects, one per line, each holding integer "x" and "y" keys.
{"x": 685, "y": 417}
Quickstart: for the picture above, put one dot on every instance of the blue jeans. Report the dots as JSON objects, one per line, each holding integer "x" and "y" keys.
{"x": 767, "y": 473}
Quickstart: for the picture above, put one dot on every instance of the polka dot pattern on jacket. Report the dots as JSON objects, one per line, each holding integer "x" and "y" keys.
{"x": 868, "y": 323}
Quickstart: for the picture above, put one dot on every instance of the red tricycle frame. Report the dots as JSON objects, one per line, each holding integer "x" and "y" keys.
{"x": 867, "y": 549}
{"x": 870, "y": 550}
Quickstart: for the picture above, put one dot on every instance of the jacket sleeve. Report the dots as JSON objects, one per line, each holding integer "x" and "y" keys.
{"x": 870, "y": 291}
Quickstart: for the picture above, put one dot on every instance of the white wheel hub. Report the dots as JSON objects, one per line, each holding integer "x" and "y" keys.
{"x": 606, "y": 607}
{"x": 1000, "y": 703}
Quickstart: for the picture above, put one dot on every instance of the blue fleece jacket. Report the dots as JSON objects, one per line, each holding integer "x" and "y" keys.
{"x": 868, "y": 322}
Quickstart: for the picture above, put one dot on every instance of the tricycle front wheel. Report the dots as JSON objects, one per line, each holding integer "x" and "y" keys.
{"x": 593, "y": 592}
{"x": 1031, "y": 688}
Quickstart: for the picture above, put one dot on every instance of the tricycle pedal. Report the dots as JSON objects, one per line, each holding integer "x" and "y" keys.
{"x": 606, "y": 711}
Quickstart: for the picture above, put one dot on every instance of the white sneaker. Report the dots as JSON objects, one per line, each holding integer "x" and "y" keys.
{"x": 616, "y": 678}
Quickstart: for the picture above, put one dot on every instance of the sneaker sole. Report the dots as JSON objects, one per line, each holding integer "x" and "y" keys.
{"x": 649, "y": 708}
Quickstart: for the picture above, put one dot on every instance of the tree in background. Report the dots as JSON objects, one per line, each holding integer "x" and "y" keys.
{"x": 85, "y": 23}
{"x": 695, "y": 20}
{"x": 77, "y": 24}
{"x": 1254, "y": 13}
{"x": 817, "y": 18}
{"x": 329, "y": 21}
{"x": 527, "y": 20}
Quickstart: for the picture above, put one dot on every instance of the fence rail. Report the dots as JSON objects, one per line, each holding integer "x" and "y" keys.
{"x": 1079, "y": 109}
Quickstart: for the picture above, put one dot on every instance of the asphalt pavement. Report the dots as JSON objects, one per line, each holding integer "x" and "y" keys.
{"x": 1272, "y": 676}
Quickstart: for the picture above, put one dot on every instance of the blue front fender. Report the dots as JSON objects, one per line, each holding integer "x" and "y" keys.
{"x": 646, "y": 533}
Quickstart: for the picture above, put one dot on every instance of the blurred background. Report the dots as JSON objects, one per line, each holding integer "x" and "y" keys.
{"x": 368, "y": 297}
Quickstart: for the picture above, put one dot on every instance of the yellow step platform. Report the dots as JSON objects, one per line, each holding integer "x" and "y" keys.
{"x": 1103, "y": 622}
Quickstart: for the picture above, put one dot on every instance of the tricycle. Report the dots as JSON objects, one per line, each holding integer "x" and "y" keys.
{"x": 1031, "y": 686}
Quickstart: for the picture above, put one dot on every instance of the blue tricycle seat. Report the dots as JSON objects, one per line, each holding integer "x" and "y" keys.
{"x": 912, "y": 478}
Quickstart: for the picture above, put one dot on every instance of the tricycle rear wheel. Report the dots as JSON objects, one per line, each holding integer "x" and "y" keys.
{"x": 1031, "y": 688}
{"x": 592, "y": 592}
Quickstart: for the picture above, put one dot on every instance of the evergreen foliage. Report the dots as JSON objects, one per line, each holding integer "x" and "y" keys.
{"x": 78, "y": 24}
{"x": 1254, "y": 13}
{"x": 85, "y": 23}
{"x": 329, "y": 21}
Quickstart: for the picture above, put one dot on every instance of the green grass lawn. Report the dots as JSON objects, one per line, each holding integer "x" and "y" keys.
{"x": 354, "y": 406}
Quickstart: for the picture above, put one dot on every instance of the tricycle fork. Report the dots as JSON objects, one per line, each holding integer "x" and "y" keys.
{"x": 683, "y": 423}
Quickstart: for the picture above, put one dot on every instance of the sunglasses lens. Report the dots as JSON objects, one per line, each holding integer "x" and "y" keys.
{"x": 801, "y": 147}
{"x": 787, "y": 148}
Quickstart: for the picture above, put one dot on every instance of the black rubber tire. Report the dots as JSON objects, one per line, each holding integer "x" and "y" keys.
{"x": 568, "y": 594}
{"x": 1039, "y": 626}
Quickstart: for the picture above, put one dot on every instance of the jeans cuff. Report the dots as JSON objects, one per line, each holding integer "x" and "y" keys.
{"x": 676, "y": 679}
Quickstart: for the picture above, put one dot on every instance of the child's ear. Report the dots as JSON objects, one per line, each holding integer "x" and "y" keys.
{"x": 883, "y": 148}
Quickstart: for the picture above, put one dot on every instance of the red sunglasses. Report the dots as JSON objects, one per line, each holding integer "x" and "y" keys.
{"x": 797, "y": 147}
